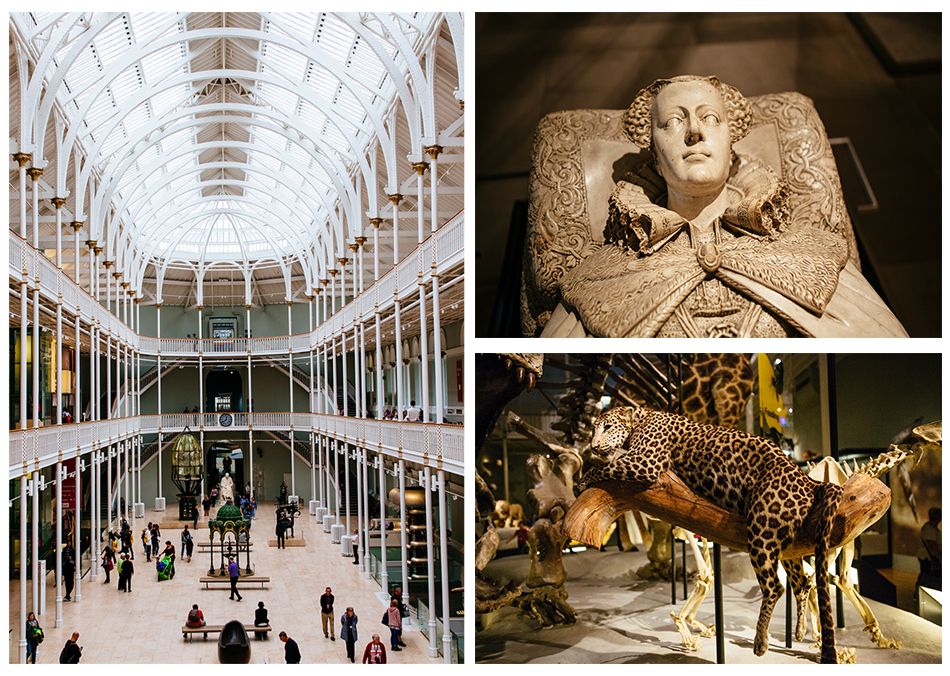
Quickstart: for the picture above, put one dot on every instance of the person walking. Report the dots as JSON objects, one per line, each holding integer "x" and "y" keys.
{"x": 126, "y": 538}
{"x": 281, "y": 533}
{"x": 234, "y": 572}
{"x": 394, "y": 622}
{"x": 291, "y": 651}
{"x": 69, "y": 571}
{"x": 403, "y": 611}
{"x": 155, "y": 535}
{"x": 195, "y": 618}
{"x": 356, "y": 547}
{"x": 121, "y": 571}
{"x": 108, "y": 559}
{"x": 260, "y": 620}
{"x": 129, "y": 570}
{"x": 34, "y": 636}
{"x": 146, "y": 544}
{"x": 375, "y": 652}
{"x": 72, "y": 651}
{"x": 187, "y": 544}
{"x": 348, "y": 633}
{"x": 195, "y": 520}
{"x": 326, "y": 613}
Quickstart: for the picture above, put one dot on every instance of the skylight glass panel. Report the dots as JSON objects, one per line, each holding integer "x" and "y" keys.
{"x": 113, "y": 42}
{"x": 148, "y": 26}
{"x": 158, "y": 65}
{"x": 136, "y": 120}
{"x": 284, "y": 61}
{"x": 278, "y": 98}
{"x": 334, "y": 37}
{"x": 82, "y": 74}
{"x": 126, "y": 85}
{"x": 293, "y": 24}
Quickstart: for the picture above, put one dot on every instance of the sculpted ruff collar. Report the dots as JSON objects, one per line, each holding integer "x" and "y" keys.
{"x": 647, "y": 266}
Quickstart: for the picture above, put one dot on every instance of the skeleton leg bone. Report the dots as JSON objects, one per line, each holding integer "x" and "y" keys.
{"x": 686, "y": 617}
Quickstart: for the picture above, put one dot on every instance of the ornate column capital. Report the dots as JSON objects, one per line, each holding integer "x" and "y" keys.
{"x": 248, "y": 306}
{"x": 35, "y": 173}
{"x": 420, "y": 167}
{"x": 343, "y": 261}
{"x": 354, "y": 247}
{"x": 199, "y": 308}
{"x": 375, "y": 222}
{"x": 77, "y": 226}
{"x": 97, "y": 249}
{"x": 395, "y": 198}
{"x": 360, "y": 241}
{"x": 58, "y": 202}
{"x": 22, "y": 158}
{"x": 433, "y": 151}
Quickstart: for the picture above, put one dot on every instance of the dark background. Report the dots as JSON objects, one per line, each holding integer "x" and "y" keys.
{"x": 875, "y": 79}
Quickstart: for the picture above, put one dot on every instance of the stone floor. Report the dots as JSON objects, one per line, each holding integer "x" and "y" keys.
{"x": 144, "y": 626}
{"x": 622, "y": 619}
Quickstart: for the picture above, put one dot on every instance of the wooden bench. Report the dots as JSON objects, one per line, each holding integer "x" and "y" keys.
{"x": 189, "y": 632}
{"x": 225, "y": 580}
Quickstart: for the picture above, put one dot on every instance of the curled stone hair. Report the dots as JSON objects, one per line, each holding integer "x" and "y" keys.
{"x": 638, "y": 120}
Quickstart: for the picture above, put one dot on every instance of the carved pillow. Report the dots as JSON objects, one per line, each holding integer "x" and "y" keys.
{"x": 579, "y": 155}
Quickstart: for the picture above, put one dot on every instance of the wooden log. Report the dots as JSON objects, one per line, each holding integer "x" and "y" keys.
{"x": 865, "y": 500}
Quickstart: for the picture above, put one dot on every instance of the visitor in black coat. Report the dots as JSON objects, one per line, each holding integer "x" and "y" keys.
{"x": 128, "y": 569}
{"x": 291, "y": 651}
{"x": 72, "y": 651}
{"x": 260, "y": 620}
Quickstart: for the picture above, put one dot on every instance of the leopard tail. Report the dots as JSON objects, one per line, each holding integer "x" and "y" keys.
{"x": 827, "y": 498}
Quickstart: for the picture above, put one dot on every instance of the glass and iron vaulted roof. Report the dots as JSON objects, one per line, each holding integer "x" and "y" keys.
{"x": 228, "y": 136}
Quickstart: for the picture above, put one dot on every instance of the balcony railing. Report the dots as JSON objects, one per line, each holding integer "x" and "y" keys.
{"x": 438, "y": 446}
{"x": 447, "y": 243}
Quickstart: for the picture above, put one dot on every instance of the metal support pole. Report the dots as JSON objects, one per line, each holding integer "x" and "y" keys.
{"x": 444, "y": 572}
{"x": 717, "y": 596}
{"x": 384, "y": 568}
{"x": 59, "y": 543}
{"x": 78, "y": 529}
{"x": 35, "y": 542}
{"x": 430, "y": 562}
{"x": 403, "y": 527}
{"x": 23, "y": 536}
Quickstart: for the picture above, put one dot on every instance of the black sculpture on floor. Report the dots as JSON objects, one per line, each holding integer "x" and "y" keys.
{"x": 287, "y": 514}
{"x": 234, "y": 646}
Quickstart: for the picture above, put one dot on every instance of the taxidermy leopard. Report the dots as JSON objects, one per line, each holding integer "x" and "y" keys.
{"x": 736, "y": 471}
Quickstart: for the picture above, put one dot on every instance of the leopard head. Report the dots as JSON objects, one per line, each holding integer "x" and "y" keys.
{"x": 611, "y": 429}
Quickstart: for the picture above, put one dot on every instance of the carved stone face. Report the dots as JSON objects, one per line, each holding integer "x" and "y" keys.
{"x": 691, "y": 138}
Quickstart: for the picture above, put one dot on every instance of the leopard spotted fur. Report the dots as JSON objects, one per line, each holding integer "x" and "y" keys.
{"x": 736, "y": 471}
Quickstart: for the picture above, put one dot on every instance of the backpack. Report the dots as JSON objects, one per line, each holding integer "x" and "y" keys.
{"x": 38, "y": 634}
{"x": 193, "y": 615}
{"x": 65, "y": 657}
